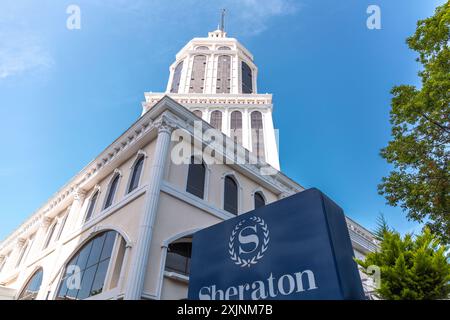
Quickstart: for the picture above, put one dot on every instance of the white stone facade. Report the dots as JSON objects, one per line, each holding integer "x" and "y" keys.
{"x": 149, "y": 218}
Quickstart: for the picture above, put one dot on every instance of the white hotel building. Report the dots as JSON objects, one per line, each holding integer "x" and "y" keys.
{"x": 125, "y": 221}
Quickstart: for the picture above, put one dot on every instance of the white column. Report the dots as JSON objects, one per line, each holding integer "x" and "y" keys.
{"x": 246, "y": 138}
{"x": 141, "y": 250}
{"x": 270, "y": 143}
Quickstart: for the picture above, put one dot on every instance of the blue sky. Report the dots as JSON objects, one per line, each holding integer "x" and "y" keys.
{"x": 66, "y": 94}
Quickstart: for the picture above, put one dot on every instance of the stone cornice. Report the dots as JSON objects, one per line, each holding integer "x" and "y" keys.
{"x": 205, "y": 100}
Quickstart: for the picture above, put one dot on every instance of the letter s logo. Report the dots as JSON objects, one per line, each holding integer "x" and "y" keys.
{"x": 250, "y": 238}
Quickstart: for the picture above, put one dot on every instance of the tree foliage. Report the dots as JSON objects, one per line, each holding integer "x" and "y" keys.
{"x": 412, "y": 268}
{"x": 420, "y": 117}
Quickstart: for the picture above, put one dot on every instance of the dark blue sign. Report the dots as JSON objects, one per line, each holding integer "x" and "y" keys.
{"x": 295, "y": 248}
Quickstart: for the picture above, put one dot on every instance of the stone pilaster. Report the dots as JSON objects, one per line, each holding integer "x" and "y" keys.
{"x": 141, "y": 250}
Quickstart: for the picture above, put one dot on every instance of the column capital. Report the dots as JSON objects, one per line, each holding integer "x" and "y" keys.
{"x": 79, "y": 194}
{"x": 21, "y": 242}
{"x": 46, "y": 221}
{"x": 165, "y": 124}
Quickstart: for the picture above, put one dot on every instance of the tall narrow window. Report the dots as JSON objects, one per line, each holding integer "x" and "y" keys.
{"x": 179, "y": 256}
{"x": 50, "y": 233}
{"x": 136, "y": 174}
{"x": 230, "y": 195}
{"x": 91, "y": 206}
{"x": 198, "y": 113}
{"x": 259, "y": 200}
{"x": 257, "y": 135}
{"x": 236, "y": 127}
{"x": 22, "y": 254}
{"x": 61, "y": 226}
{"x": 247, "y": 78}
{"x": 216, "y": 120}
{"x": 196, "y": 178}
{"x": 112, "y": 191}
{"x": 90, "y": 264}
{"x": 3, "y": 262}
{"x": 31, "y": 289}
{"x": 176, "y": 78}
{"x": 198, "y": 74}
{"x": 224, "y": 74}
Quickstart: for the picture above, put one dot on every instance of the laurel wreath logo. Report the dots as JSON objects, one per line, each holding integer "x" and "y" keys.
{"x": 259, "y": 255}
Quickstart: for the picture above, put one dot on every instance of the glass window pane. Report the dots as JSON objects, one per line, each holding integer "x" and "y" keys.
{"x": 62, "y": 289}
{"x": 99, "y": 279}
{"x": 259, "y": 200}
{"x": 96, "y": 250}
{"x": 32, "y": 287}
{"x": 112, "y": 192}
{"x": 176, "y": 78}
{"x": 136, "y": 174}
{"x": 86, "y": 282}
{"x": 108, "y": 246}
{"x": 231, "y": 196}
{"x": 83, "y": 256}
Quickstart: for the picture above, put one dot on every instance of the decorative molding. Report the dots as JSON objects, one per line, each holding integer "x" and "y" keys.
{"x": 21, "y": 242}
{"x": 79, "y": 194}
{"x": 165, "y": 124}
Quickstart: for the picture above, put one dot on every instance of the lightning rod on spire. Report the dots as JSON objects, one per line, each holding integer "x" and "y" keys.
{"x": 222, "y": 20}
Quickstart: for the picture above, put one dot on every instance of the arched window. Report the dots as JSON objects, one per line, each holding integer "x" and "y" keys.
{"x": 198, "y": 74}
{"x": 236, "y": 127}
{"x": 176, "y": 78}
{"x": 62, "y": 223}
{"x": 202, "y": 48}
{"x": 50, "y": 233}
{"x": 136, "y": 173}
{"x": 216, "y": 120}
{"x": 223, "y": 74}
{"x": 223, "y": 48}
{"x": 257, "y": 134}
{"x": 31, "y": 289}
{"x": 198, "y": 113}
{"x": 25, "y": 250}
{"x": 230, "y": 196}
{"x": 259, "y": 200}
{"x": 196, "y": 178}
{"x": 247, "y": 78}
{"x": 4, "y": 260}
{"x": 112, "y": 191}
{"x": 178, "y": 257}
{"x": 91, "y": 207}
{"x": 90, "y": 266}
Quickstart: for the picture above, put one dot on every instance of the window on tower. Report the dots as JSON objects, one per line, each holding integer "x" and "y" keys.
{"x": 257, "y": 134}
{"x": 198, "y": 74}
{"x": 176, "y": 78}
{"x": 236, "y": 127}
{"x": 247, "y": 84}
{"x": 216, "y": 120}
{"x": 223, "y": 74}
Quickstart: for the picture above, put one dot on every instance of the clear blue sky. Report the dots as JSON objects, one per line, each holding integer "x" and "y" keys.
{"x": 65, "y": 95}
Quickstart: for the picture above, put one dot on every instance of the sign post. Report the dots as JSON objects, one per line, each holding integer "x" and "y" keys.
{"x": 295, "y": 248}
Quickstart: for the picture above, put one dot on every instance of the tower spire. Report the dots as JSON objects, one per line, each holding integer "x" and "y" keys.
{"x": 222, "y": 20}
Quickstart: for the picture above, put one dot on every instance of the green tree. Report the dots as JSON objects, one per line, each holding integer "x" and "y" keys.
{"x": 412, "y": 268}
{"x": 420, "y": 119}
